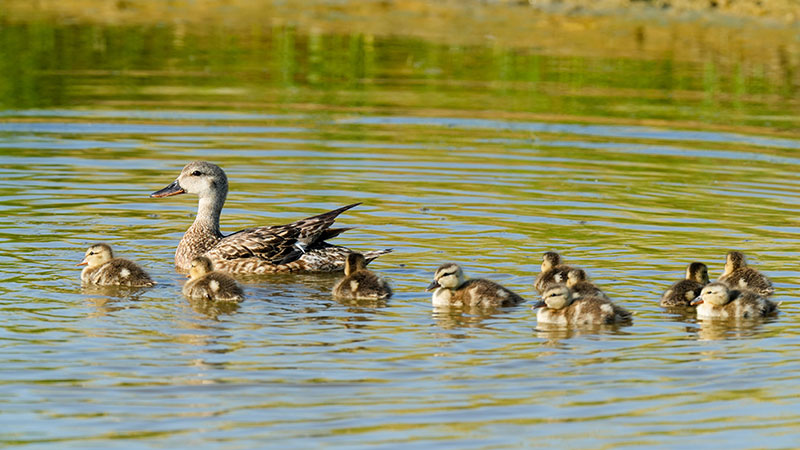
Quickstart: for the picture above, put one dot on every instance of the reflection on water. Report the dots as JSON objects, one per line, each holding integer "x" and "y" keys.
{"x": 486, "y": 156}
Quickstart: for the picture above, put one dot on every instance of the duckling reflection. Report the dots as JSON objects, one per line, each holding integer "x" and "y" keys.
{"x": 718, "y": 301}
{"x": 684, "y": 291}
{"x": 212, "y": 309}
{"x": 559, "y": 306}
{"x": 581, "y": 287}
{"x": 359, "y": 283}
{"x": 738, "y": 275}
{"x": 205, "y": 283}
{"x": 553, "y": 272}
{"x": 451, "y": 290}
{"x": 102, "y": 269}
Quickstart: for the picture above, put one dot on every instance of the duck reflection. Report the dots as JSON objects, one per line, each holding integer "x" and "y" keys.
{"x": 717, "y": 330}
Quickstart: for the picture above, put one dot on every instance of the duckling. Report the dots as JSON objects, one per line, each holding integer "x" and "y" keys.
{"x": 205, "y": 283}
{"x": 684, "y": 291}
{"x": 103, "y": 269}
{"x": 738, "y": 276}
{"x": 717, "y": 300}
{"x": 450, "y": 289}
{"x": 559, "y": 306}
{"x": 581, "y": 287}
{"x": 552, "y": 271}
{"x": 359, "y": 283}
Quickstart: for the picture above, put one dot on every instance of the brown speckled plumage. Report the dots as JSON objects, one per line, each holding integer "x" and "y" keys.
{"x": 684, "y": 291}
{"x": 581, "y": 287}
{"x": 102, "y": 269}
{"x": 450, "y": 289}
{"x": 559, "y": 307}
{"x": 295, "y": 247}
{"x": 553, "y": 272}
{"x": 207, "y": 284}
{"x": 718, "y": 301}
{"x": 738, "y": 275}
{"x": 359, "y": 283}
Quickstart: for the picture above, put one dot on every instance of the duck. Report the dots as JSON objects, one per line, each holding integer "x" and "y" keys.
{"x": 553, "y": 272}
{"x": 359, "y": 283}
{"x": 581, "y": 287}
{"x": 103, "y": 269}
{"x": 559, "y": 306}
{"x": 450, "y": 289}
{"x": 295, "y": 247}
{"x": 738, "y": 275}
{"x": 206, "y": 283}
{"x": 684, "y": 291}
{"x": 718, "y": 301}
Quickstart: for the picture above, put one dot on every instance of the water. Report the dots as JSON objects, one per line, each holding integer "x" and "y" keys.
{"x": 455, "y": 159}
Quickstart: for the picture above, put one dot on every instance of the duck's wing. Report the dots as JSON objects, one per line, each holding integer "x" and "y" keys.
{"x": 279, "y": 244}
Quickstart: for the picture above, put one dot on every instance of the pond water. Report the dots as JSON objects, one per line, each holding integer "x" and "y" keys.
{"x": 481, "y": 155}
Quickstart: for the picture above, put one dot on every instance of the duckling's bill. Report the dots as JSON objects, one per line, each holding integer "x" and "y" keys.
{"x": 434, "y": 284}
{"x": 539, "y": 304}
{"x": 173, "y": 188}
{"x": 696, "y": 301}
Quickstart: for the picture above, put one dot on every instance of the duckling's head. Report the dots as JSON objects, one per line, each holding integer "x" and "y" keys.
{"x": 735, "y": 260}
{"x": 199, "y": 267}
{"x": 96, "y": 255}
{"x": 198, "y": 177}
{"x": 556, "y": 296}
{"x": 448, "y": 276}
{"x": 550, "y": 260}
{"x": 697, "y": 272}
{"x": 575, "y": 276}
{"x": 354, "y": 262}
{"x": 716, "y": 294}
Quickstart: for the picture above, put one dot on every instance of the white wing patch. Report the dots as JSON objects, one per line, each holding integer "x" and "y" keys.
{"x": 213, "y": 285}
{"x": 124, "y": 273}
{"x": 608, "y": 309}
{"x": 353, "y": 285}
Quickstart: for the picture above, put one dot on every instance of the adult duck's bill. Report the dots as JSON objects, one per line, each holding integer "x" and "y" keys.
{"x": 173, "y": 189}
{"x": 432, "y": 286}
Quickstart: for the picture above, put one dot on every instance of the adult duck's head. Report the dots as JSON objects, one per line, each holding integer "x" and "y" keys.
{"x": 201, "y": 178}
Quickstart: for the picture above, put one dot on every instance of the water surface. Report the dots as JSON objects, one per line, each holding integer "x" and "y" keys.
{"x": 470, "y": 162}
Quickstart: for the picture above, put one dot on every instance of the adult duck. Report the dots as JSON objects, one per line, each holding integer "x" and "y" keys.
{"x": 296, "y": 247}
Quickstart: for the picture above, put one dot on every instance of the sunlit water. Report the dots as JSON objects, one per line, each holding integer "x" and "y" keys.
{"x": 291, "y": 366}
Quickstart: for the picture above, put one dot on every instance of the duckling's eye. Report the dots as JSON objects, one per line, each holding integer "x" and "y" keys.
{"x": 196, "y": 173}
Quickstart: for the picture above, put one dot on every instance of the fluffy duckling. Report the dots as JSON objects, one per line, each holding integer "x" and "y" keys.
{"x": 205, "y": 283}
{"x": 359, "y": 283}
{"x": 103, "y": 269}
{"x": 684, "y": 291}
{"x": 578, "y": 282}
{"x": 553, "y": 272}
{"x": 738, "y": 275}
{"x": 559, "y": 306}
{"x": 717, "y": 300}
{"x": 450, "y": 289}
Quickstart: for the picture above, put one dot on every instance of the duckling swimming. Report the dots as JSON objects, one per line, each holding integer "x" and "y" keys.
{"x": 578, "y": 282}
{"x": 359, "y": 283}
{"x": 717, "y": 300}
{"x": 738, "y": 275}
{"x": 103, "y": 269}
{"x": 552, "y": 271}
{"x": 207, "y": 284}
{"x": 450, "y": 289}
{"x": 559, "y": 306}
{"x": 684, "y": 291}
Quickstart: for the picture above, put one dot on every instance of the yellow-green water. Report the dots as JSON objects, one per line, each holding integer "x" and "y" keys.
{"x": 631, "y": 168}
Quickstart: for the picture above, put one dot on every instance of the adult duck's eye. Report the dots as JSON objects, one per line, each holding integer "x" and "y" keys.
{"x": 196, "y": 173}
